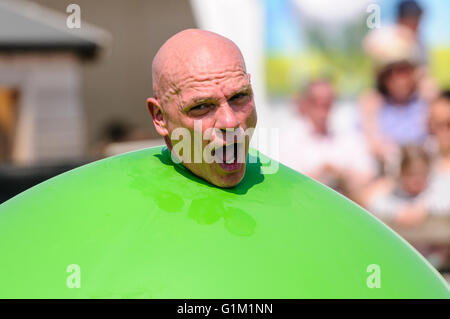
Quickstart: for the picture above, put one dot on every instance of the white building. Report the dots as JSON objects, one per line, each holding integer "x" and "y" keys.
{"x": 41, "y": 107}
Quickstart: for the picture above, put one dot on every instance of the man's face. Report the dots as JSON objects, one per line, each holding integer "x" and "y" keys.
{"x": 440, "y": 123}
{"x": 319, "y": 101}
{"x": 220, "y": 98}
{"x": 401, "y": 81}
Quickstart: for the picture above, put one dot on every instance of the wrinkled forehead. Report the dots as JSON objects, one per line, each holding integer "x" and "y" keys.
{"x": 213, "y": 87}
{"x": 221, "y": 67}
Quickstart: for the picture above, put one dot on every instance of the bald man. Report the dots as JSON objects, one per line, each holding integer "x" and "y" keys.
{"x": 200, "y": 85}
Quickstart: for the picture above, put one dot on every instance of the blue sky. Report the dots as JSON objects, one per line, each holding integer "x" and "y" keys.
{"x": 436, "y": 21}
{"x": 283, "y": 26}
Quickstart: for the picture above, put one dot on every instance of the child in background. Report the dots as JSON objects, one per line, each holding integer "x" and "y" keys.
{"x": 392, "y": 199}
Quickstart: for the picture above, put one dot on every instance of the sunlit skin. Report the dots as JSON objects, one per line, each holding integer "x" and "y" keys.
{"x": 318, "y": 102}
{"x": 440, "y": 124}
{"x": 413, "y": 178}
{"x": 411, "y": 22}
{"x": 401, "y": 82}
{"x": 200, "y": 75}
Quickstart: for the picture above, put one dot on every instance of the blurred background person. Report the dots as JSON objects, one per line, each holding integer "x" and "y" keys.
{"x": 393, "y": 115}
{"x": 438, "y": 199}
{"x": 418, "y": 199}
{"x": 390, "y": 198}
{"x": 421, "y": 173}
{"x": 411, "y": 202}
{"x": 339, "y": 160}
{"x": 409, "y": 16}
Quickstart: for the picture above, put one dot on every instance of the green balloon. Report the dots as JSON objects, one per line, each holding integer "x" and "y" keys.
{"x": 139, "y": 226}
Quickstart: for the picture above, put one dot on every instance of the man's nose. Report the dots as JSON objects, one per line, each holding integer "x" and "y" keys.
{"x": 226, "y": 118}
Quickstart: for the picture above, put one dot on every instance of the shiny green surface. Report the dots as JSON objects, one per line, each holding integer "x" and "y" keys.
{"x": 141, "y": 227}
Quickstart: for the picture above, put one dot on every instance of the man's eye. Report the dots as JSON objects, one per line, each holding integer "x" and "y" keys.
{"x": 200, "y": 109}
{"x": 238, "y": 96}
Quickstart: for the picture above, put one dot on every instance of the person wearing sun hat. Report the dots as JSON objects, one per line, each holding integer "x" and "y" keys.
{"x": 394, "y": 114}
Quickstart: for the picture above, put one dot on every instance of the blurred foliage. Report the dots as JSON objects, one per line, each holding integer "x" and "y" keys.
{"x": 350, "y": 73}
{"x": 440, "y": 66}
{"x": 335, "y": 54}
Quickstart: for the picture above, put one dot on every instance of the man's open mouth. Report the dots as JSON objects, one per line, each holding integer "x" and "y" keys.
{"x": 228, "y": 156}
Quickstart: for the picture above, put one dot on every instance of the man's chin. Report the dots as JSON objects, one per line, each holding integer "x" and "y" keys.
{"x": 220, "y": 174}
{"x": 228, "y": 175}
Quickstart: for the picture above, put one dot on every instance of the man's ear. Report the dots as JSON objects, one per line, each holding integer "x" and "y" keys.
{"x": 157, "y": 115}
{"x": 248, "y": 74}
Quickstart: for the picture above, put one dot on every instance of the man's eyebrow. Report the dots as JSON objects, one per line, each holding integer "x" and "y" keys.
{"x": 196, "y": 101}
{"x": 245, "y": 89}
{"x": 199, "y": 100}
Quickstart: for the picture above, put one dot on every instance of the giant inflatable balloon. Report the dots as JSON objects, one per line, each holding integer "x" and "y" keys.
{"x": 139, "y": 226}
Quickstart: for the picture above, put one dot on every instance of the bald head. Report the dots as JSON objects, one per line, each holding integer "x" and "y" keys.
{"x": 191, "y": 52}
{"x": 201, "y": 85}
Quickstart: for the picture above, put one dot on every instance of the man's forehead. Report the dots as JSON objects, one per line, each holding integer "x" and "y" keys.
{"x": 195, "y": 59}
{"x": 207, "y": 66}
{"x": 213, "y": 87}
{"x": 215, "y": 76}
{"x": 203, "y": 81}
